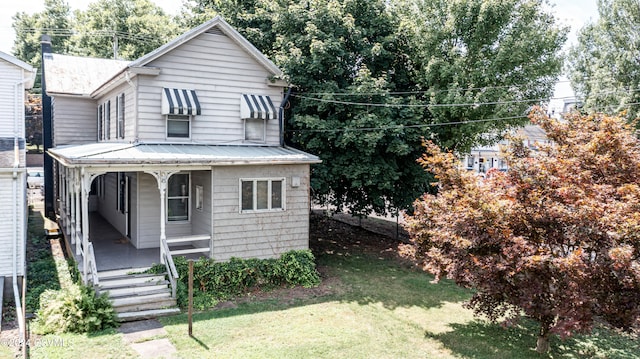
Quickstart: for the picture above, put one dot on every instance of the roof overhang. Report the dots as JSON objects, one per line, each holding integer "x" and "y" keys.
{"x": 141, "y": 155}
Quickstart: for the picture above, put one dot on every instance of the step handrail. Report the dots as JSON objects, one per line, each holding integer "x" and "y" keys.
{"x": 91, "y": 258}
{"x": 172, "y": 272}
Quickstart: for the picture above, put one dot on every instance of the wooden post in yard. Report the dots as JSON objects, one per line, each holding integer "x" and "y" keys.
{"x": 190, "y": 297}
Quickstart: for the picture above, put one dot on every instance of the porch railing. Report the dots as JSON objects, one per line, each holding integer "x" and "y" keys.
{"x": 172, "y": 272}
{"x": 91, "y": 257}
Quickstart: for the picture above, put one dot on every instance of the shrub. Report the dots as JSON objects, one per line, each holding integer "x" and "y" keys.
{"x": 215, "y": 281}
{"x": 76, "y": 309}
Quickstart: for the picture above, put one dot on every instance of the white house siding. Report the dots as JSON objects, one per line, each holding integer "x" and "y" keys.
{"x": 219, "y": 71}
{"x": 7, "y": 228}
{"x": 148, "y": 220}
{"x": 264, "y": 234}
{"x": 9, "y": 76}
{"x": 129, "y": 114}
{"x": 74, "y": 120}
{"x": 201, "y": 219}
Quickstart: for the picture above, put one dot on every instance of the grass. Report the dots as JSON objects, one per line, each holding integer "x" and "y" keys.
{"x": 384, "y": 310}
{"x": 376, "y": 308}
{"x": 105, "y": 344}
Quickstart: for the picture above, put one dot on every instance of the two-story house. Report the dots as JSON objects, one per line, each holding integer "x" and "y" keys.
{"x": 180, "y": 152}
{"x": 15, "y": 77}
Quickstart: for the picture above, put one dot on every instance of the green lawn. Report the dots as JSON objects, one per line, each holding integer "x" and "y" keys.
{"x": 380, "y": 310}
{"x": 370, "y": 307}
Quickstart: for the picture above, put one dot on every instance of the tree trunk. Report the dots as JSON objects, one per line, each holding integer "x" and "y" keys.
{"x": 542, "y": 345}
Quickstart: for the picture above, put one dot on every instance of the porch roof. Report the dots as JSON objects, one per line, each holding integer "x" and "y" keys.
{"x": 108, "y": 154}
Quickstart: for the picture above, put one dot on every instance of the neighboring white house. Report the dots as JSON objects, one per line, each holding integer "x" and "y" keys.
{"x": 15, "y": 77}
{"x": 181, "y": 146}
{"x": 482, "y": 159}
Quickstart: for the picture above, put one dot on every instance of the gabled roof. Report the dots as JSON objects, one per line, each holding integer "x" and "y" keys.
{"x": 14, "y": 60}
{"x": 226, "y": 29}
{"x": 74, "y": 75}
{"x": 137, "y": 154}
{"x": 23, "y": 65}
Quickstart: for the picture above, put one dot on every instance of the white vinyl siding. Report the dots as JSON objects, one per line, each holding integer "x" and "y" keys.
{"x": 259, "y": 234}
{"x": 7, "y": 229}
{"x": 220, "y": 72}
{"x": 74, "y": 121}
{"x": 11, "y": 100}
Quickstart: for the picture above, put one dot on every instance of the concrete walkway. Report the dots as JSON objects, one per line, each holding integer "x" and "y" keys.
{"x": 148, "y": 338}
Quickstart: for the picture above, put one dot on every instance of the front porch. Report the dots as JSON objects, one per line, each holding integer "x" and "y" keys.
{"x": 114, "y": 251}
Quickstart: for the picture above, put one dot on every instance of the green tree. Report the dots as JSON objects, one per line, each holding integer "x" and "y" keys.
{"x": 55, "y": 21}
{"x": 480, "y": 60}
{"x": 557, "y": 237}
{"x": 372, "y": 77}
{"x": 604, "y": 64}
{"x": 126, "y": 29}
{"x": 33, "y": 120}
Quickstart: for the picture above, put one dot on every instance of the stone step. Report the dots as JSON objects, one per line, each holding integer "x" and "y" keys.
{"x": 131, "y": 280}
{"x": 146, "y": 314}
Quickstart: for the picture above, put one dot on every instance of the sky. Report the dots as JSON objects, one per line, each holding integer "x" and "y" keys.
{"x": 573, "y": 13}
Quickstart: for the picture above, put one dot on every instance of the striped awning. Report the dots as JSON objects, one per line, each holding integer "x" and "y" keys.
{"x": 180, "y": 102}
{"x": 257, "y": 107}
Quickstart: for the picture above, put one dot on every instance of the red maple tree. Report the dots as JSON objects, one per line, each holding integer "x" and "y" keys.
{"x": 556, "y": 237}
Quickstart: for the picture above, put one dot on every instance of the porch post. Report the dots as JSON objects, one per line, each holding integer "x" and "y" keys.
{"x": 84, "y": 189}
{"x": 76, "y": 210}
{"x": 162, "y": 186}
{"x": 162, "y": 177}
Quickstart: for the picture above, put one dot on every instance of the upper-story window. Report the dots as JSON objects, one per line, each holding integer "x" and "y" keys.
{"x": 180, "y": 106}
{"x": 255, "y": 111}
{"x": 120, "y": 116}
{"x": 104, "y": 121}
{"x": 178, "y": 126}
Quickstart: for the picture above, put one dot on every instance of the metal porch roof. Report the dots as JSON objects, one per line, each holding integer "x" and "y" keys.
{"x": 178, "y": 154}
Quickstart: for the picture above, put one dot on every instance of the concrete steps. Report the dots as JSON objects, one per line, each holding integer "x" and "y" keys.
{"x": 136, "y": 295}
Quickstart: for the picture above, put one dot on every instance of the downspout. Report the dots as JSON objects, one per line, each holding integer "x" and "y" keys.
{"x": 281, "y": 122}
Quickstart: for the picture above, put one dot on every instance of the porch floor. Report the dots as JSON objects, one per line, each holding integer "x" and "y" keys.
{"x": 113, "y": 250}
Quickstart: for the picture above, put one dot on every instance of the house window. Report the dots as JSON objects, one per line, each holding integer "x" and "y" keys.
{"x": 107, "y": 120}
{"x": 469, "y": 161}
{"x": 120, "y": 116}
{"x": 100, "y": 123}
{"x": 262, "y": 194}
{"x": 254, "y": 130}
{"x": 178, "y": 197}
{"x": 178, "y": 126}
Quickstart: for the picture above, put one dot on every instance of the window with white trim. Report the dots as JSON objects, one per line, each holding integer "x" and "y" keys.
{"x": 100, "y": 123}
{"x": 120, "y": 116}
{"x": 107, "y": 120}
{"x": 254, "y": 130}
{"x": 178, "y": 197}
{"x": 262, "y": 194}
{"x": 178, "y": 126}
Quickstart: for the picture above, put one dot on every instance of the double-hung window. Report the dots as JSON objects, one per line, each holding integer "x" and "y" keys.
{"x": 266, "y": 194}
{"x": 120, "y": 116}
{"x": 178, "y": 197}
{"x": 178, "y": 126}
{"x": 107, "y": 120}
